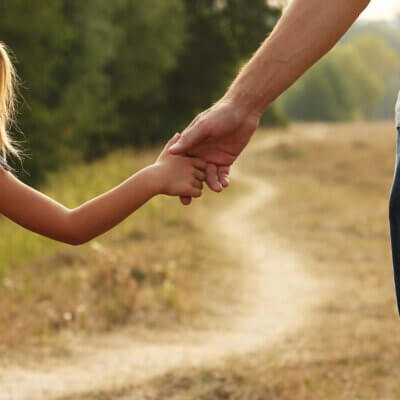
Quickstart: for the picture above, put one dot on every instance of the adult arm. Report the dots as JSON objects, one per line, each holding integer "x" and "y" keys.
{"x": 306, "y": 31}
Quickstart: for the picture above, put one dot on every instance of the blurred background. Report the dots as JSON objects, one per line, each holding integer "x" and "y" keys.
{"x": 281, "y": 288}
{"x": 101, "y": 75}
{"x": 96, "y": 76}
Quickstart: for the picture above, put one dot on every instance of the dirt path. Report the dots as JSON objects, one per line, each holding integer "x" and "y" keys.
{"x": 277, "y": 295}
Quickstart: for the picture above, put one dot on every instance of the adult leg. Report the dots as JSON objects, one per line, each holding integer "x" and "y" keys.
{"x": 394, "y": 219}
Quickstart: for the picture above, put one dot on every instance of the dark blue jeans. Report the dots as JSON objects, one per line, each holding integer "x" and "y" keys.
{"x": 394, "y": 219}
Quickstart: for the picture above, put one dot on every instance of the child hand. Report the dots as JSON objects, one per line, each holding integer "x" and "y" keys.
{"x": 179, "y": 175}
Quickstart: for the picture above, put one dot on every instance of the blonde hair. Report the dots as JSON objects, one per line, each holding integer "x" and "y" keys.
{"x": 7, "y": 102}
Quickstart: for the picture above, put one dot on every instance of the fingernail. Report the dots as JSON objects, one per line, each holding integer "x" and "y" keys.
{"x": 175, "y": 146}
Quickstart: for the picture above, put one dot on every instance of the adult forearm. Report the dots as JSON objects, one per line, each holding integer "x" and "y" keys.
{"x": 106, "y": 211}
{"x": 307, "y": 30}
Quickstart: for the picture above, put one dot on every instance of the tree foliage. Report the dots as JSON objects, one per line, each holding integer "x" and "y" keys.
{"x": 38, "y": 34}
{"x": 97, "y": 75}
{"x": 220, "y": 35}
{"x": 350, "y": 82}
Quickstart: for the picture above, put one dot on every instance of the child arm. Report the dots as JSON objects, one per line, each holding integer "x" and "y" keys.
{"x": 170, "y": 175}
{"x": 41, "y": 214}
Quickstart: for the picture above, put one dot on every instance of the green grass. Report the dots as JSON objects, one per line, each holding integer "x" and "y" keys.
{"x": 72, "y": 187}
{"x": 147, "y": 271}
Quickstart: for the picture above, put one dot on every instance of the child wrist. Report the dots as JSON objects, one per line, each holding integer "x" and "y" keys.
{"x": 155, "y": 181}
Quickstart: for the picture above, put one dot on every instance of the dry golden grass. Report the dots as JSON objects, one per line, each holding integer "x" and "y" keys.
{"x": 332, "y": 208}
{"x": 151, "y": 271}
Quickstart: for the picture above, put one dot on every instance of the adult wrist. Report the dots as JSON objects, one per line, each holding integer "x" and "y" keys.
{"x": 245, "y": 105}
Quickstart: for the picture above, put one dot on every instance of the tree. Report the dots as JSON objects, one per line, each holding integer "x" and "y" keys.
{"x": 37, "y": 34}
{"x": 340, "y": 87}
{"x": 152, "y": 33}
{"x": 220, "y": 36}
{"x": 98, "y": 75}
{"x": 89, "y": 106}
{"x": 382, "y": 59}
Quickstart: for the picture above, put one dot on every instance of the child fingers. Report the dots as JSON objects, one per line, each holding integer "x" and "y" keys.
{"x": 195, "y": 192}
{"x": 200, "y": 175}
{"x": 170, "y": 142}
{"x": 200, "y": 164}
{"x": 186, "y": 200}
{"x": 197, "y": 184}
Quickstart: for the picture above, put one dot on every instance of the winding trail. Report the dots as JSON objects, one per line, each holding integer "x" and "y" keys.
{"x": 277, "y": 295}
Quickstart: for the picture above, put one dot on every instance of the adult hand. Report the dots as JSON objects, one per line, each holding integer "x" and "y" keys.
{"x": 217, "y": 135}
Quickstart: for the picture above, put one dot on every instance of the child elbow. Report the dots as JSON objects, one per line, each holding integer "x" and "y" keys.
{"x": 74, "y": 231}
{"x": 77, "y": 241}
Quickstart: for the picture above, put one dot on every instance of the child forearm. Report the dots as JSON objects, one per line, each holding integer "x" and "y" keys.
{"x": 45, "y": 216}
{"x": 169, "y": 175}
{"x": 102, "y": 213}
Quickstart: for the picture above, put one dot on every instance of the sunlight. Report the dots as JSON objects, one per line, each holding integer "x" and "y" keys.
{"x": 378, "y": 10}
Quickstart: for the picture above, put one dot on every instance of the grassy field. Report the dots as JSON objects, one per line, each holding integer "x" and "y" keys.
{"x": 332, "y": 183}
{"x": 333, "y": 186}
{"x": 148, "y": 272}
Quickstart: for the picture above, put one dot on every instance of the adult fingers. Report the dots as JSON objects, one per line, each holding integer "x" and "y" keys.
{"x": 223, "y": 176}
{"x": 173, "y": 140}
{"x": 212, "y": 178}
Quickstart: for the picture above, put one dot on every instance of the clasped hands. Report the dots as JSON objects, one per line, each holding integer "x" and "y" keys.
{"x": 217, "y": 136}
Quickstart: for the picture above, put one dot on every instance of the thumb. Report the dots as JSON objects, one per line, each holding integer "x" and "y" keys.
{"x": 187, "y": 140}
{"x": 170, "y": 142}
{"x": 173, "y": 140}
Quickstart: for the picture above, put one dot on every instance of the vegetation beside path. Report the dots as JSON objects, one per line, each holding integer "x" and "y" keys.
{"x": 152, "y": 272}
{"x": 332, "y": 205}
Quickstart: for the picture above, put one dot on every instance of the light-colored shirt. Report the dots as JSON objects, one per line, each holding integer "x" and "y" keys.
{"x": 398, "y": 112}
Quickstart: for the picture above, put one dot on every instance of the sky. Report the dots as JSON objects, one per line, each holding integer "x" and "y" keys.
{"x": 381, "y": 9}
{"x": 377, "y": 9}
